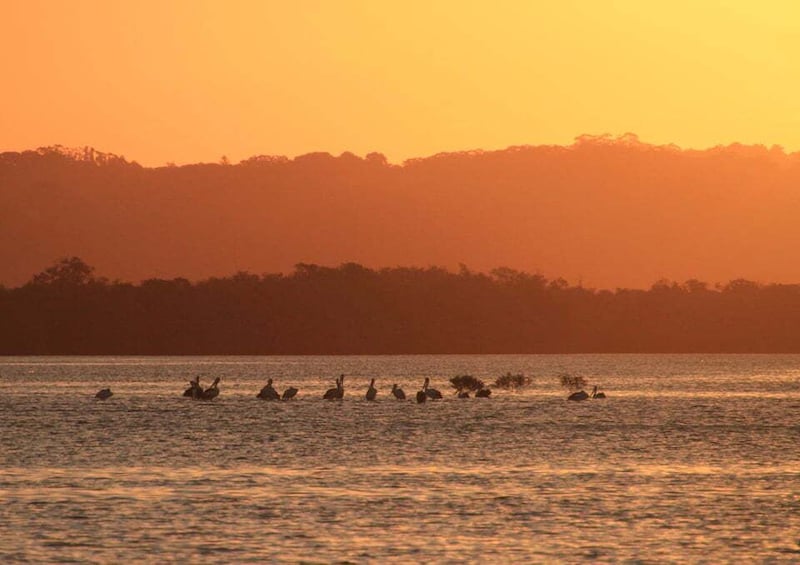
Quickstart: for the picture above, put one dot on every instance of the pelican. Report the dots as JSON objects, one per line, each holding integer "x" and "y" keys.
{"x": 268, "y": 392}
{"x": 104, "y": 394}
{"x": 211, "y": 392}
{"x": 432, "y": 393}
{"x": 580, "y": 395}
{"x": 463, "y": 394}
{"x": 330, "y": 394}
{"x": 289, "y": 393}
{"x": 398, "y": 392}
{"x": 340, "y": 391}
{"x": 596, "y": 394}
{"x": 421, "y": 396}
{"x": 194, "y": 390}
{"x": 335, "y": 393}
{"x": 483, "y": 393}
{"x": 372, "y": 392}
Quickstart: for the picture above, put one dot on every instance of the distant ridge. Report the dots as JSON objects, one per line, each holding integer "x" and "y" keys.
{"x": 605, "y": 211}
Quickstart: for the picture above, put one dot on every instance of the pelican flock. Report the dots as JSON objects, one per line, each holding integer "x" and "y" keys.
{"x": 583, "y": 395}
{"x": 196, "y": 391}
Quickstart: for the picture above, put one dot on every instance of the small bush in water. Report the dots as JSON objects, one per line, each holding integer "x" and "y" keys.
{"x": 466, "y": 382}
{"x": 509, "y": 381}
{"x": 572, "y": 381}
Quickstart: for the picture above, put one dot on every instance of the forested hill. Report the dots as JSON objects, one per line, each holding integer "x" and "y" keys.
{"x": 608, "y": 212}
{"x": 66, "y": 309}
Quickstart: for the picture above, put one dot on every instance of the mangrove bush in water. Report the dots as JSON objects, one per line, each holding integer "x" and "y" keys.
{"x": 573, "y": 382}
{"x": 512, "y": 381}
{"x": 466, "y": 383}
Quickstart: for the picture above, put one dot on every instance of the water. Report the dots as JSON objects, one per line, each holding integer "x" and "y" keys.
{"x": 691, "y": 458}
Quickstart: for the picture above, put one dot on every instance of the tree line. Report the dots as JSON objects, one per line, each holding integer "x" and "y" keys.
{"x": 351, "y": 309}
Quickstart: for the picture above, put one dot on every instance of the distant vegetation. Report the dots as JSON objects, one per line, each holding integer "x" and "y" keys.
{"x": 615, "y": 211}
{"x": 68, "y": 309}
{"x": 466, "y": 383}
{"x": 512, "y": 382}
{"x": 572, "y": 381}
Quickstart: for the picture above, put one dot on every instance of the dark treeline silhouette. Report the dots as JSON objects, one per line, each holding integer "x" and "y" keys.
{"x": 613, "y": 211}
{"x": 66, "y": 309}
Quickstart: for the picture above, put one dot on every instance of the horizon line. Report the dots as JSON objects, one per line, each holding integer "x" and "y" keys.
{"x": 463, "y": 269}
{"x": 628, "y": 139}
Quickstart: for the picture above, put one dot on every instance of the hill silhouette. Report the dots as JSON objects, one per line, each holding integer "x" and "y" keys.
{"x": 612, "y": 212}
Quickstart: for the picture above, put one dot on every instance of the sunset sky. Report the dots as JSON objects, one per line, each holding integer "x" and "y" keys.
{"x": 191, "y": 81}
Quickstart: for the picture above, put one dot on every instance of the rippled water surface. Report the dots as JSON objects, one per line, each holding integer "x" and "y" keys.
{"x": 690, "y": 458}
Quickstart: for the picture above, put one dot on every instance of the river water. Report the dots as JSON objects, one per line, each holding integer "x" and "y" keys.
{"x": 691, "y": 458}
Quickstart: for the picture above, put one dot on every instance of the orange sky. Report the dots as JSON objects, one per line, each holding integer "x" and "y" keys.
{"x": 190, "y": 81}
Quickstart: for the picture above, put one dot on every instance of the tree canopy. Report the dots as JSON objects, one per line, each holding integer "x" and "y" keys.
{"x": 351, "y": 309}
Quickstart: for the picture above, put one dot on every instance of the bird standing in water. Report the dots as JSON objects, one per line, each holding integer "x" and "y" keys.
{"x": 422, "y": 394}
{"x": 268, "y": 392}
{"x": 372, "y": 392}
{"x": 580, "y": 395}
{"x": 195, "y": 390}
{"x": 432, "y": 393}
{"x": 211, "y": 392}
{"x": 335, "y": 393}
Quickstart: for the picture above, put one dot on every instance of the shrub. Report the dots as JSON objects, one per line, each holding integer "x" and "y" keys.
{"x": 466, "y": 382}
{"x": 509, "y": 381}
{"x": 572, "y": 381}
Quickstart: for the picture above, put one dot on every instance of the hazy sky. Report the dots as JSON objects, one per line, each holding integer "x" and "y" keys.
{"x": 190, "y": 81}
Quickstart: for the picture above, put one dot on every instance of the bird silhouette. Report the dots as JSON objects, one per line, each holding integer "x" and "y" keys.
{"x": 268, "y": 392}
{"x": 372, "y": 392}
{"x": 195, "y": 390}
{"x": 596, "y": 394}
{"x": 335, "y": 393}
{"x": 211, "y": 392}
{"x": 432, "y": 393}
{"x": 422, "y": 394}
{"x": 580, "y": 395}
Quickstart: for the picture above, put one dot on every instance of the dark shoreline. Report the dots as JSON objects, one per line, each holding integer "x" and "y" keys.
{"x": 353, "y": 310}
